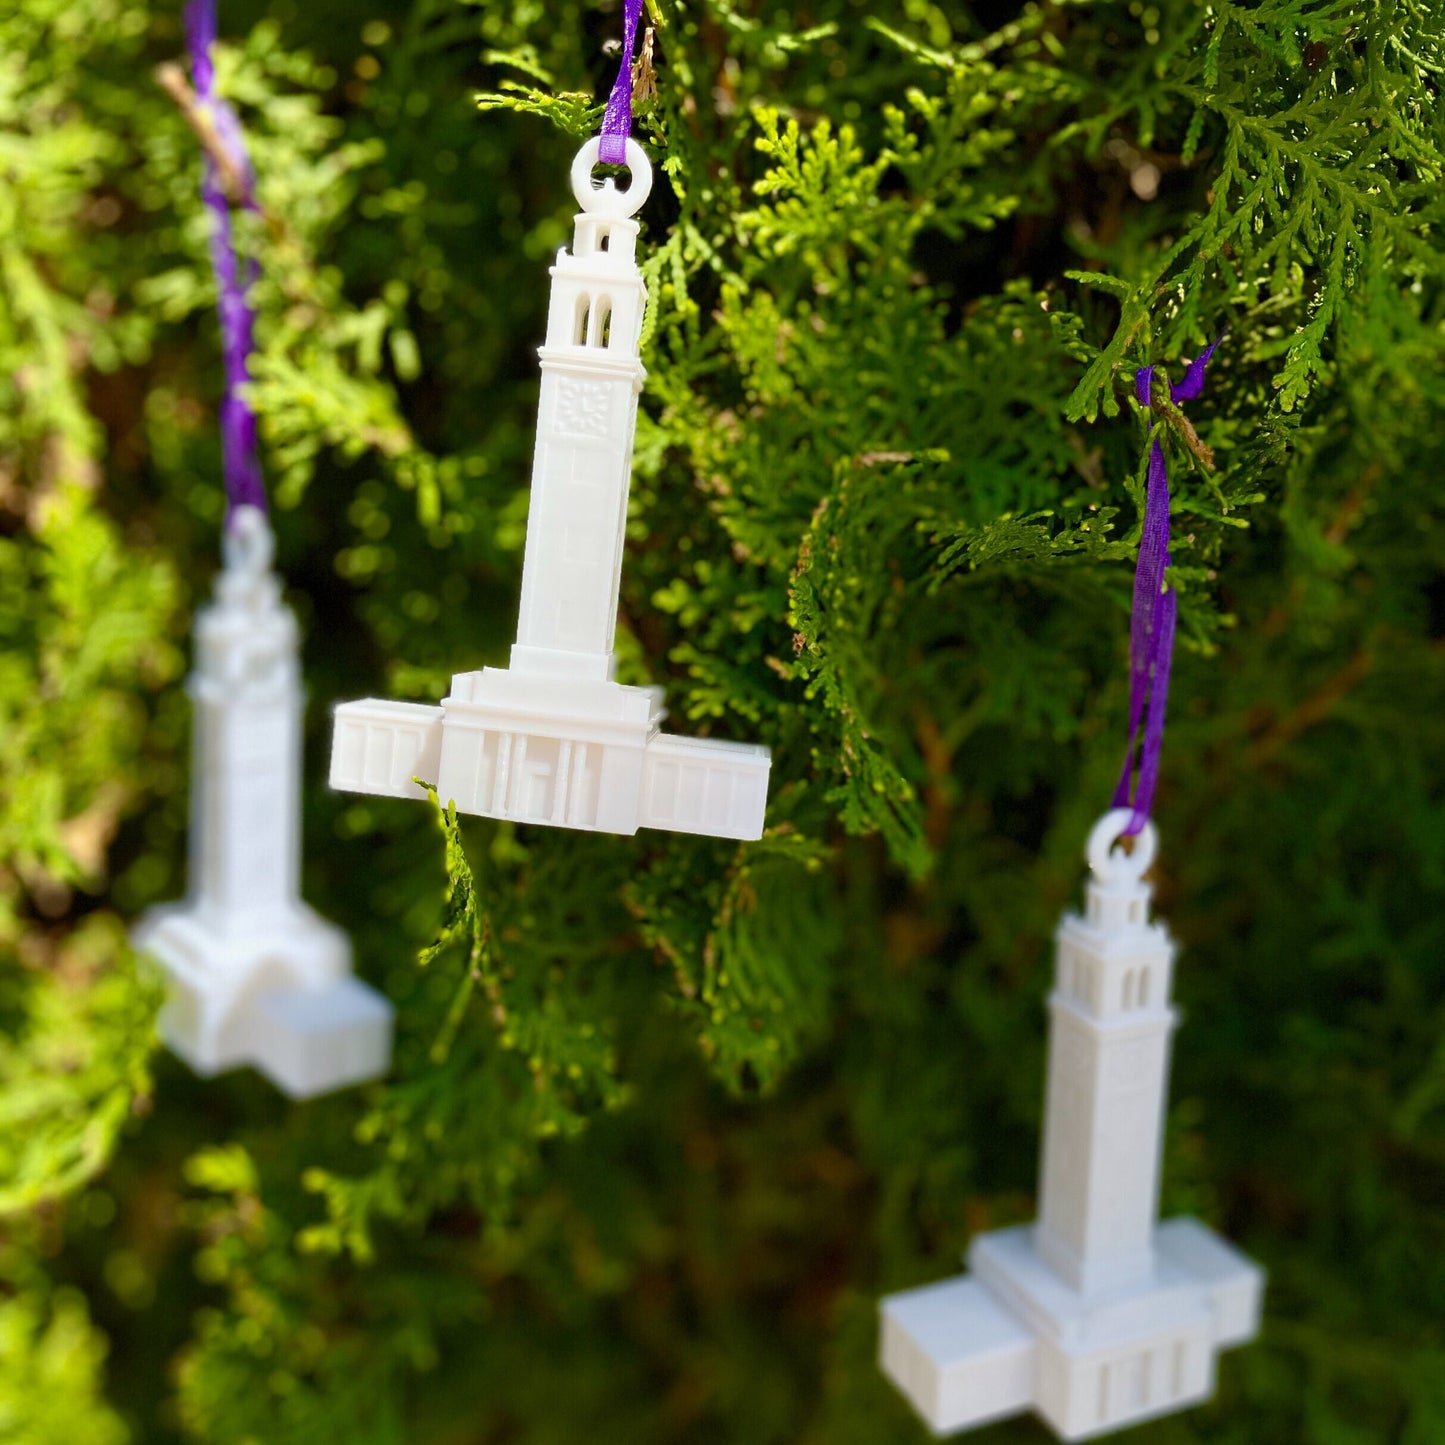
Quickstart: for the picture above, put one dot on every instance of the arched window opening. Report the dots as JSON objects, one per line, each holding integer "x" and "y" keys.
{"x": 599, "y": 325}
{"x": 579, "y": 324}
{"x": 604, "y": 240}
{"x": 1144, "y": 988}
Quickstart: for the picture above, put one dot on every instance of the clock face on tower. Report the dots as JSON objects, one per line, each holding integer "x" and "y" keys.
{"x": 584, "y": 408}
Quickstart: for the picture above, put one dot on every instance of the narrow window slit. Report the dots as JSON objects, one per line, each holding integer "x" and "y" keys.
{"x": 599, "y": 326}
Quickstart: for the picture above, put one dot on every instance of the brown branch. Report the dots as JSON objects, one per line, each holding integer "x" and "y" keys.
{"x": 1160, "y": 404}
{"x": 234, "y": 182}
{"x": 291, "y": 253}
{"x": 1350, "y": 509}
{"x": 1188, "y": 435}
{"x": 644, "y": 78}
{"x": 172, "y": 80}
{"x": 1315, "y": 708}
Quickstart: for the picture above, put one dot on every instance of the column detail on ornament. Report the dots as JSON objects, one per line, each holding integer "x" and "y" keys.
{"x": 554, "y": 738}
{"x": 254, "y": 975}
{"x": 1097, "y": 1316}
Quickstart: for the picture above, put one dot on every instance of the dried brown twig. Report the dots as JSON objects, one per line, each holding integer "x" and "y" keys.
{"x": 644, "y": 78}
{"x": 172, "y": 79}
{"x": 1187, "y": 434}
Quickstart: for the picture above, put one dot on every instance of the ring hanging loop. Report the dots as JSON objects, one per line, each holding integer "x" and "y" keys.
{"x": 1110, "y": 864}
{"x": 602, "y": 198}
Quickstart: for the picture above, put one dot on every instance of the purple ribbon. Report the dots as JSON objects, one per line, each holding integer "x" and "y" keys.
{"x": 617, "y": 122}
{"x": 1151, "y": 626}
{"x": 241, "y": 462}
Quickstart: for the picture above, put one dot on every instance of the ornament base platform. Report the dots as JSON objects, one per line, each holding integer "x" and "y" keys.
{"x": 1012, "y": 1336}
{"x": 234, "y": 1000}
{"x": 571, "y": 753}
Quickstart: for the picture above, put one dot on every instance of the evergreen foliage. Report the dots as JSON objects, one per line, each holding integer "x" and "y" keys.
{"x": 668, "y": 1115}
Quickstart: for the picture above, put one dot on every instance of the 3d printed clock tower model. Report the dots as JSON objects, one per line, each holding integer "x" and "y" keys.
{"x": 255, "y": 976}
{"x": 1097, "y": 1316}
{"x": 553, "y": 738}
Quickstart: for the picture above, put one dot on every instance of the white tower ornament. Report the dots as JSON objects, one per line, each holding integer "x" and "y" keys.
{"x": 554, "y": 738}
{"x": 1097, "y": 1316}
{"x": 255, "y": 976}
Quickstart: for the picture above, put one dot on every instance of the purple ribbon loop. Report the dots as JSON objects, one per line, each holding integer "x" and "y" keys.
{"x": 240, "y": 460}
{"x": 1155, "y": 613}
{"x": 617, "y": 121}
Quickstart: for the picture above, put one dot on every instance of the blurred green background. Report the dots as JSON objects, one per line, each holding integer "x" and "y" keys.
{"x": 646, "y": 1177}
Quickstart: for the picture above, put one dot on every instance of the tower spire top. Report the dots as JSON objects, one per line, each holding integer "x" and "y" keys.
{"x": 248, "y": 547}
{"x": 1117, "y": 895}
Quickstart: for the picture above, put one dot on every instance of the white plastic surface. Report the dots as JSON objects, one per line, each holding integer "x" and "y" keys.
{"x": 255, "y": 976}
{"x": 553, "y": 738}
{"x": 1098, "y": 1316}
